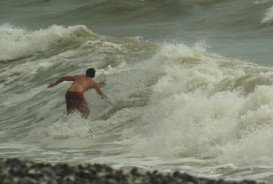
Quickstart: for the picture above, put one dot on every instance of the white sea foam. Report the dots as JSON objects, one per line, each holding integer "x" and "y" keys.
{"x": 191, "y": 113}
{"x": 17, "y": 42}
{"x": 261, "y": 1}
{"x": 62, "y": 132}
{"x": 268, "y": 16}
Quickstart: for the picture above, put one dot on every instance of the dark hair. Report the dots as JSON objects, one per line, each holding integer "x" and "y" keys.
{"x": 90, "y": 72}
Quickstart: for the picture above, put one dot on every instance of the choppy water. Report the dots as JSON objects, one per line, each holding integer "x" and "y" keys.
{"x": 191, "y": 84}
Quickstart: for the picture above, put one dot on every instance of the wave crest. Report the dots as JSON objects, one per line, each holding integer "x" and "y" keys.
{"x": 16, "y": 43}
{"x": 268, "y": 16}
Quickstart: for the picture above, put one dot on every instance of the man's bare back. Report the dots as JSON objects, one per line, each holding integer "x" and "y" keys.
{"x": 75, "y": 93}
{"x": 81, "y": 83}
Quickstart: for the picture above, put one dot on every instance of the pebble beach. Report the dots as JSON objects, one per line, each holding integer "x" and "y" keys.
{"x": 18, "y": 171}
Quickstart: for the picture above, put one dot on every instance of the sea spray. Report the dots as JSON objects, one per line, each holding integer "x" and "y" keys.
{"x": 188, "y": 114}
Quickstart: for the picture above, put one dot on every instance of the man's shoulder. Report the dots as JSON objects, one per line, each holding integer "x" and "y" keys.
{"x": 78, "y": 76}
{"x": 93, "y": 83}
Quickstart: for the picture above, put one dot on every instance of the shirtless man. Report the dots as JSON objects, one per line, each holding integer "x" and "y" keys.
{"x": 74, "y": 96}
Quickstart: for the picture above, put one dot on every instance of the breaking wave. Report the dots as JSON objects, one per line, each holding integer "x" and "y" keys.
{"x": 18, "y": 43}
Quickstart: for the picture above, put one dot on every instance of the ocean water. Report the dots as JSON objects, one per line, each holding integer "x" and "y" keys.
{"x": 191, "y": 84}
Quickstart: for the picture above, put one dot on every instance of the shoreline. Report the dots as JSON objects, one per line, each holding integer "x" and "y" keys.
{"x": 14, "y": 170}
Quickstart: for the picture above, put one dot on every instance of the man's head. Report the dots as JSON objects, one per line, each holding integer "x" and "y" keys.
{"x": 90, "y": 72}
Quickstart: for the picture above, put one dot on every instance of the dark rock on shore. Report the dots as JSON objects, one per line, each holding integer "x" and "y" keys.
{"x": 28, "y": 172}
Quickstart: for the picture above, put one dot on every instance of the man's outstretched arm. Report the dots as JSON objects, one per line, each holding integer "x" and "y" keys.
{"x": 102, "y": 95}
{"x": 66, "y": 78}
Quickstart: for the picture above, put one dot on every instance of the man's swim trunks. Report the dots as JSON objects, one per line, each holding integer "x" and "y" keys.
{"x": 76, "y": 100}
